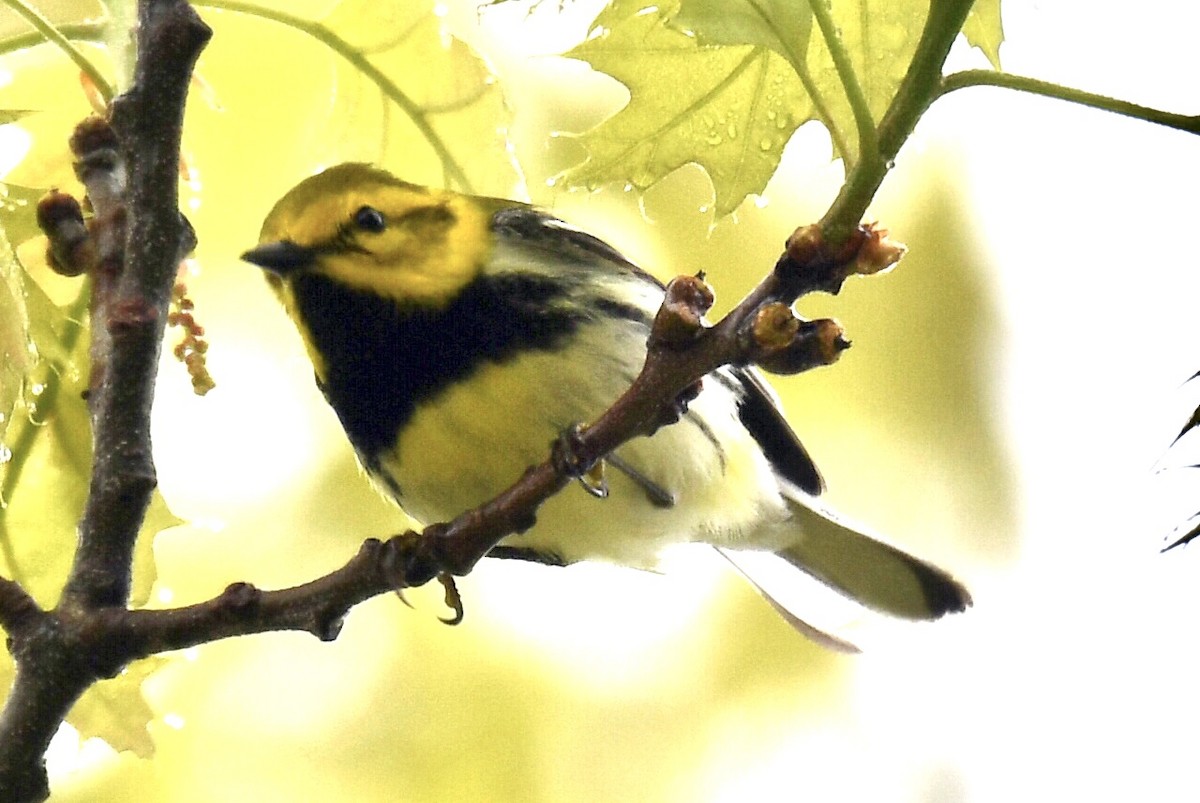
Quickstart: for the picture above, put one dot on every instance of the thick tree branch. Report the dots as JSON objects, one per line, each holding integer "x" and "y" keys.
{"x": 131, "y": 307}
{"x": 137, "y": 238}
{"x": 317, "y": 607}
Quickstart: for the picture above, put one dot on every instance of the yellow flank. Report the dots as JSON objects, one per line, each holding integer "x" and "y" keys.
{"x": 473, "y": 439}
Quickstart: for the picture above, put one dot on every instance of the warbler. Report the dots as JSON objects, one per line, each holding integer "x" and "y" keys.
{"x": 457, "y": 336}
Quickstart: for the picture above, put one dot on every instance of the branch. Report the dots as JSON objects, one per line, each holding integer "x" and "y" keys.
{"x": 863, "y": 120}
{"x": 924, "y": 84}
{"x": 317, "y": 607}
{"x": 48, "y": 682}
{"x": 966, "y": 78}
{"x": 132, "y": 290}
{"x": 131, "y": 251}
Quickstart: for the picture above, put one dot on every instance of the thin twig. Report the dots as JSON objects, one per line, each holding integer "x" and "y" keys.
{"x": 916, "y": 92}
{"x": 968, "y": 78}
{"x": 859, "y": 106}
{"x": 50, "y": 33}
{"x": 131, "y": 306}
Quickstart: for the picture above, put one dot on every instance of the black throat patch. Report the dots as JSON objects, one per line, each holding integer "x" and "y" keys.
{"x": 383, "y": 358}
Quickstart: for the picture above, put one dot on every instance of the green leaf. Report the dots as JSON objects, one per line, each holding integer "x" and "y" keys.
{"x": 12, "y": 115}
{"x": 18, "y": 212}
{"x": 445, "y": 108}
{"x": 729, "y": 109}
{"x": 984, "y": 30}
{"x": 116, "y": 711}
{"x": 782, "y": 25}
{"x": 408, "y": 95}
{"x": 725, "y": 83}
{"x": 880, "y": 38}
{"x": 15, "y": 352}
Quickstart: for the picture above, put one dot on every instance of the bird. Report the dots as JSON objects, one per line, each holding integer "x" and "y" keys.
{"x": 456, "y": 336}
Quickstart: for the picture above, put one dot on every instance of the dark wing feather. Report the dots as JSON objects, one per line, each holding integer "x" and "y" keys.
{"x": 535, "y": 228}
{"x": 761, "y": 416}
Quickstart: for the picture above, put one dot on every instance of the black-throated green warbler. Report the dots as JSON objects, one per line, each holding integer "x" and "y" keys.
{"x": 457, "y": 336}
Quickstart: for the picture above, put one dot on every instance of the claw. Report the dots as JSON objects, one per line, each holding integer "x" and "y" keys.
{"x": 594, "y": 481}
{"x": 567, "y": 460}
{"x": 404, "y": 599}
{"x": 658, "y": 495}
{"x": 453, "y": 599}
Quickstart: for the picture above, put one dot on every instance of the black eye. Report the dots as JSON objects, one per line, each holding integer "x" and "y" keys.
{"x": 368, "y": 218}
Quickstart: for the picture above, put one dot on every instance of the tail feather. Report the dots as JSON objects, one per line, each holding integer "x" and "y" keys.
{"x": 875, "y": 574}
{"x": 819, "y": 635}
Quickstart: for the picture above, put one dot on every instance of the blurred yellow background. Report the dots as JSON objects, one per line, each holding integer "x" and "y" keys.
{"x": 1012, "y": 386}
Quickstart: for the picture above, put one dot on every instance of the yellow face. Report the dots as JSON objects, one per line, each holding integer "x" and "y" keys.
{"x": 374, "y": 232}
